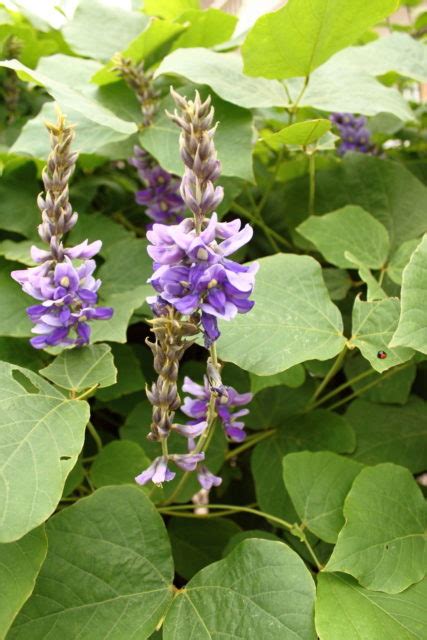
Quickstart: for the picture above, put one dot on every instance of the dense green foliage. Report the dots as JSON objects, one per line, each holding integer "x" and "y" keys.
{"x": 318, "y": 529}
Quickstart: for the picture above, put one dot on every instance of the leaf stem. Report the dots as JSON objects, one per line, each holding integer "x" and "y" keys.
{"x": 95, "y": 435}
{"x": 340, "y": 388}
{"x": 312, "y": 185}
{"x": 238, "y": 208}
{"x": 336, "y": 366}
{"x": 249, "y": 442}
{"x": 86, "y": 393}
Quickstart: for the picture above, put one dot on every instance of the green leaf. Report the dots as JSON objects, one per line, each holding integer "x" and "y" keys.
{"x": 400, "y": 259}
{"x": 79, "y": 369}
{"x": 337, "y": 281}
{"x": 155, "y": 37}
{"x": 206, "y": 28}
{"x": 127, "y": 267}
{"x": 234, "y": 132}
{"x": 260, "y": 534}
{"x": 390, "y": 434}
{"x": 169, "y": 9}
{"x": 98, "y": 30}
{"x": 118, "y": 463}
{"x": 373, "y": 324}
{"x": 350, "y": 228}
{"x": 13, "y": 316}
{"x": 19, "y": 351}
{"x": 383, "y": 541}
{"x": 344, "y": 609}
{"x": 223, "y": 73}
{"x": 293, "y": 377}
{"x": 302, "y": 323}
{"x": 314, "y": 431}
{"x": 318, "y": 484}
{"x": 124, "y": 305}
{"x": 197, "y": 543}
{"x": 261, "y": 585}
{"x": 17, "y": 251}
{"x": 302, "y": 35}
{"x": 97, "y": 125}
{"x": 96, "y": 225}
{"x": 412, "y": 328}
{"x": 129, "y": 374}
{"x": 394, "y": 389}
{"x": 41, "y": 436}
{"x": 398, "y": 52}
{"x": 108, "y": 571}
{"x": 273, "y": 405}
{"x": 20, "y": 563}
{"x": 300, "y": 133}
{"x": 18, "y": 192}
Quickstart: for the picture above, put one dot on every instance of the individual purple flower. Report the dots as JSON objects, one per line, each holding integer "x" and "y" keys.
{"x": 207, "y": 479}
{"x": 160, "y": 196}
{"x": 187, "y": 461}
{"x": 197, "y": 407}
{"x": 353, "y": 132}
{"x": 157, "y": 472}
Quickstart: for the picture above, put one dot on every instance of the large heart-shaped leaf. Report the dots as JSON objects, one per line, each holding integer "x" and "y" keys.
{"x": 41, "y": 435}
{"x": 344, "y": 609}
{"x": 383, "y": 542}
{"x": 293, "y": 319}
{"x": 261, "y": 585}
{"x": 296, "y": 39}
{"x": 20, "y": 563}
{"x": 108, "y": 571}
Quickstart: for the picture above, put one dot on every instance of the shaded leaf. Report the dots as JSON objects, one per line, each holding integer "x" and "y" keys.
{"x": 118, "y": 463}
{"x": 293, "y": 377}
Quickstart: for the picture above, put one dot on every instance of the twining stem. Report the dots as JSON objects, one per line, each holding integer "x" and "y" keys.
{"x": 312, "y": 184}
{"x": 93, "y": 432}
{"x": 227, "y": 509}
{"x": 358, "y": 392}
{"x": 336, "y": 366}
{"x": 249, "y": 442}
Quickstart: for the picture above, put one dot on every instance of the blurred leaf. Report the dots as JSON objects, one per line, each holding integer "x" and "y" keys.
{"x": 265, "y": 579}
{"x": 302, "y": 322}
{"x": 344, "y": 609}
{"x": 13, "y": 317}
{"x": 32, "y": 410}
{"x": 17, "y": 251}
{"x": 383, "y": 541}
{"x": 373, "y": 324}
{"x": 118, "y": 463}
{"x": 129, "y": 374}
{"x": 400, "y": 259}
{"x": 20, "y": 563}
{"x": 79, "y": 369}
{"x": 318, "y": 484}
{"x": 101, "y": 575}
{"x": 198, "y": 543}
{"x": 412, "y": 328}
{"x": 350, "y": 228}
{"x": 387, "y": 433}
{"x": 314, "y": 31}
{"x": 98, "y": 30}
{"x": 337, "y": 281}
{"x": 169, "y": 9}
{"x": 293, "y": 377}
{"x": 206, "y": 28}
{"x": 18, "y": 192}
{"x": 223, "y": 73}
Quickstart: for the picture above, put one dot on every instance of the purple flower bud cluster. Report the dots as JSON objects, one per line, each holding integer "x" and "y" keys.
{"x": 192, "y": 272}
{"x": 66, "y": 292}
{"x": 160, "y": 197}
{"x": 353, "y": 132}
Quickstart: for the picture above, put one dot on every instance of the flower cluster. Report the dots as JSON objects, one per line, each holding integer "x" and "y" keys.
{"x": 66, "y": 292}
{"x": 196, "y": 283}
{"x": 160, "y": 197}
{"x": 197, "y": 407}
{"x": 354, "y": 134}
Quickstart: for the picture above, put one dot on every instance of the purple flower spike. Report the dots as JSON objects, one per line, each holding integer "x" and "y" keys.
{"x": 207, "y": 479}
{"x": 157, "y": 472}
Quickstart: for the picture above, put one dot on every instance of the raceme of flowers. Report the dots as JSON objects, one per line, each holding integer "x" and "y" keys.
{"x": 160, "y": 197}
{"x": 353, "y": 132}
{"x": 62, "y": 282}
{"x": 195, "y": 278}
